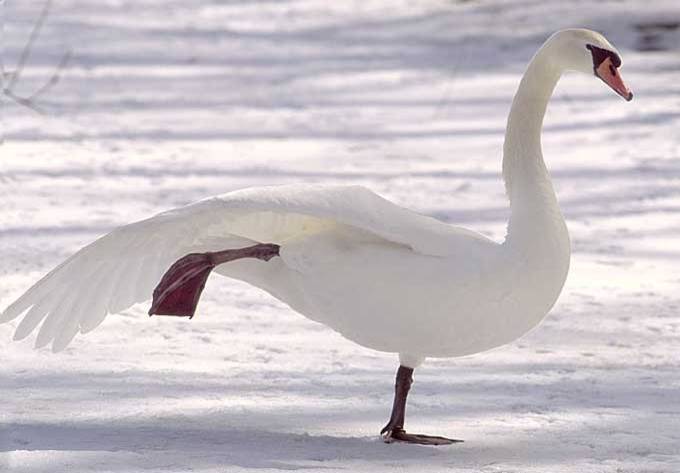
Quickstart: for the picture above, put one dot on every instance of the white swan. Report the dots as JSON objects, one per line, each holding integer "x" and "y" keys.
{"x": 381, "y": 275}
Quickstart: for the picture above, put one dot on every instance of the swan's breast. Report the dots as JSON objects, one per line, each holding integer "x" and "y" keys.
{"x": 389, "y": 297}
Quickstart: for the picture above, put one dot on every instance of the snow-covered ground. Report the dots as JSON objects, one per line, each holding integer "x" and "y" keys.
{"x": 167, "y": 102}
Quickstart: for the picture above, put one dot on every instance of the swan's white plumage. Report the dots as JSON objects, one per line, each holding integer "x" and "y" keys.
{"x": 381, "y": 275}
{"x": 123, "y": 267}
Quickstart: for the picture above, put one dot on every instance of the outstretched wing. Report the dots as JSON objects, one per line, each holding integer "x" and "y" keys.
{"x": 358, "y": 207}
{"x": 123, "y": 267}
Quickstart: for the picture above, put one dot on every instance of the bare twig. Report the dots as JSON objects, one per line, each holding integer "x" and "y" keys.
{"x": 13, "y": 77}
{"x": 55, "y": 78}
{"x": 25, "y": 102}
{"x": 28, "y": 47}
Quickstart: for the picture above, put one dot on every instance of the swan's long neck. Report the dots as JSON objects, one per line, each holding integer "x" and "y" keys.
{"x": 537, "y": 240}
{"x": 532, "y": 198}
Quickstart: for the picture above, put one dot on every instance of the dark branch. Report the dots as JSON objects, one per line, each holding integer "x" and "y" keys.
{"x": 24, "y": 101}
{"x": 54, "y": 79}
{"x": 13, "y": 77}
{"x": 26, "y": 52}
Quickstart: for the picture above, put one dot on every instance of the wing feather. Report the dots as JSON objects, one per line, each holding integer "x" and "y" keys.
{"x": 68, "y": 329}
{"x": 51, "y": 323}
{"x": 32, "y": 319}
{"x": 96, "y": 306}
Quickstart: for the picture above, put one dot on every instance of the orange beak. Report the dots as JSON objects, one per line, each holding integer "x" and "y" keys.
{"x": 610, "y": 75}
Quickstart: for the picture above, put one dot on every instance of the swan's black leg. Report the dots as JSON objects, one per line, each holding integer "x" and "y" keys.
{"x": 394, "y": 430}
{"x": 181, "y": 286}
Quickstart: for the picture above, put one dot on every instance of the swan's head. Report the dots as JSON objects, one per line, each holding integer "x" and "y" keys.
{"x": 589, "y": 52}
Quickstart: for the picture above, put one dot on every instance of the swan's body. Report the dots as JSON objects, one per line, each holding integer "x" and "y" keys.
{"x": 419, "y": 288}
{"x": 381, "y": 275}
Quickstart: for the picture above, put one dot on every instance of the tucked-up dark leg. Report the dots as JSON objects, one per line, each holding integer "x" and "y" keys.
{"x": 394, "y": 430}
{"x": 181, "y": 286}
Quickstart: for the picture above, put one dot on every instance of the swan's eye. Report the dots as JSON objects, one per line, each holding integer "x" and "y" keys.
{"x": 600, "y": 54}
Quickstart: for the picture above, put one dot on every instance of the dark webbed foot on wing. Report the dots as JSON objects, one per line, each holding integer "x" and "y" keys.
{"x": 181, "y": 286}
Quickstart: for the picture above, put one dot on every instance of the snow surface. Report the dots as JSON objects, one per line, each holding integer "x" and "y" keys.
{"x": 167, "y": 102}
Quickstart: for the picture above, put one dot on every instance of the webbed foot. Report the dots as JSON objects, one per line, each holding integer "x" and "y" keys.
{"x": 400, "y": 435}
{"x": 182, "y": 284}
